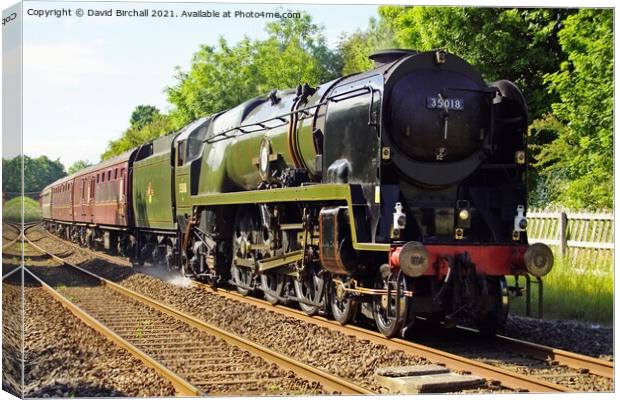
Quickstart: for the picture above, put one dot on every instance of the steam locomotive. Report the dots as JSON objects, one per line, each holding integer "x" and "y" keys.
{"x": 397, "y": 193}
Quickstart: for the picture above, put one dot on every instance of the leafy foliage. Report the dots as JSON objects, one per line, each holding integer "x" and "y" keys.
{"x": 224, "y": 76}
{"x": 577, "y": 165}
{"x": 77, "y": 166}
{"x": 516, "y": 44}
{"x": 137, "y": 135}
{"x": 220, "y": 77}
{"x": 142, "y": 115}
{"x": 356, "y": 48}
{"x": 38, "y": 173}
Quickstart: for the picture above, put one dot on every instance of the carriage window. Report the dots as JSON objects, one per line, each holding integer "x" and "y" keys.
{"x": 109, "y": 174}
{"x": 122, "y": 172}
{"x": 115, "y": 173}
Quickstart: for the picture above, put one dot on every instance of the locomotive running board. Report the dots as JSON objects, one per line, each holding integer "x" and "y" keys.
{"x": 310, "y": 193}
{"x": 267, "y": 264}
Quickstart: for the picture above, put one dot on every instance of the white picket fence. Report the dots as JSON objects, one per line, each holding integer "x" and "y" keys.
{"x": 583, "y": 237}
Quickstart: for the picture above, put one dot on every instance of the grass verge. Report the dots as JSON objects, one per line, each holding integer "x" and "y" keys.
{"x": 584, "y": 292}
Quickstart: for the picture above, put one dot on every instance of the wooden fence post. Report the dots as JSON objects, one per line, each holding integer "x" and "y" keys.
{"x": 563, "y": 234}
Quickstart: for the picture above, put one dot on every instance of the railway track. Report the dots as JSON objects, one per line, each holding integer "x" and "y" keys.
{"x": 593, "y": 365}
{"x": 507, "y": 378}
{"x": 9, "y": 239}
{"x": 513, "y": 380}
{"x": 10, "y": 248}
{"x": 196, "y": 357}
{"x": 17, "y": 233}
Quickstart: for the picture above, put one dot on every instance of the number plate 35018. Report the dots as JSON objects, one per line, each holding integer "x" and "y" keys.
{"x": 451, "y": 103}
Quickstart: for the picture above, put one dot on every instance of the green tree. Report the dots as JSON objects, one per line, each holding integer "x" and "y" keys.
{"x": 77, "y": 166}
{"x": 294, "y": 53}
{"x": 135, "y": 136}
{"x": 37, "y": 173}
{"x": 577, "y": 165}
{"x": 224, "y": 76}
{"x": 356, "y": 48}
{"x": 516, "y": 44}
{"x": 220, "y": 77}
{"x": 142, "y": 115}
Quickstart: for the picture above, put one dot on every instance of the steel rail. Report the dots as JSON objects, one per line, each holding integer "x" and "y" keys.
{"x": 20, "y": 231}
{"x": 593, "y": 365}
{"x": 330, "y": 382}
{"x": 183, "y": 388}
{"x": 19, "y": 235}
{"x": 569, "y": 359}
{"x": 114, "y": 259}
{"x": 12, "y": 242}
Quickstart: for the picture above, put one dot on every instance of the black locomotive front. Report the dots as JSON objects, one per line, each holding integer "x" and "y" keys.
{"x": 440, "y": 156}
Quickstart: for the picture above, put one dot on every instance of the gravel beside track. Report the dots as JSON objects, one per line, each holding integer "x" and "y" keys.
{"x": 334, "y": 352}
{"x": 576, "y": 336}
{"x": 66, "y": 358}
{"x": 11, "y": 335}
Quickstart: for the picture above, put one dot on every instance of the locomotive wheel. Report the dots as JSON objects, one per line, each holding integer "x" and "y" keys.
{"x": 169, "y": 258}
{"x": 243, "y": 277}
{"x": 343, "y": 309}
{"x": 390, "y": 316}
{"x": 245, "y": 234}
{"x": 493, "y": 321}
{"x": 272, "y": 285}
{"x": 309, "y": 287}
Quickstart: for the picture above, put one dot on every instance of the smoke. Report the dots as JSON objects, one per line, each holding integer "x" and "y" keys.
{"x": 172, "y": 277}
{"x": 181, "y": 281}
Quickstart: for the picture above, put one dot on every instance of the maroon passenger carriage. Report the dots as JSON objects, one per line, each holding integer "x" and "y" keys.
{"x": 80, "y": 206}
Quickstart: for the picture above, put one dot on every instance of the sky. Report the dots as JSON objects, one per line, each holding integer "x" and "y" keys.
{"x": 82, "y": 77}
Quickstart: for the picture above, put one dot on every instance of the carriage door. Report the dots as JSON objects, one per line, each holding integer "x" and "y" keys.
{"x": 91, "y": 198}
{"x": 83, "y": 197}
